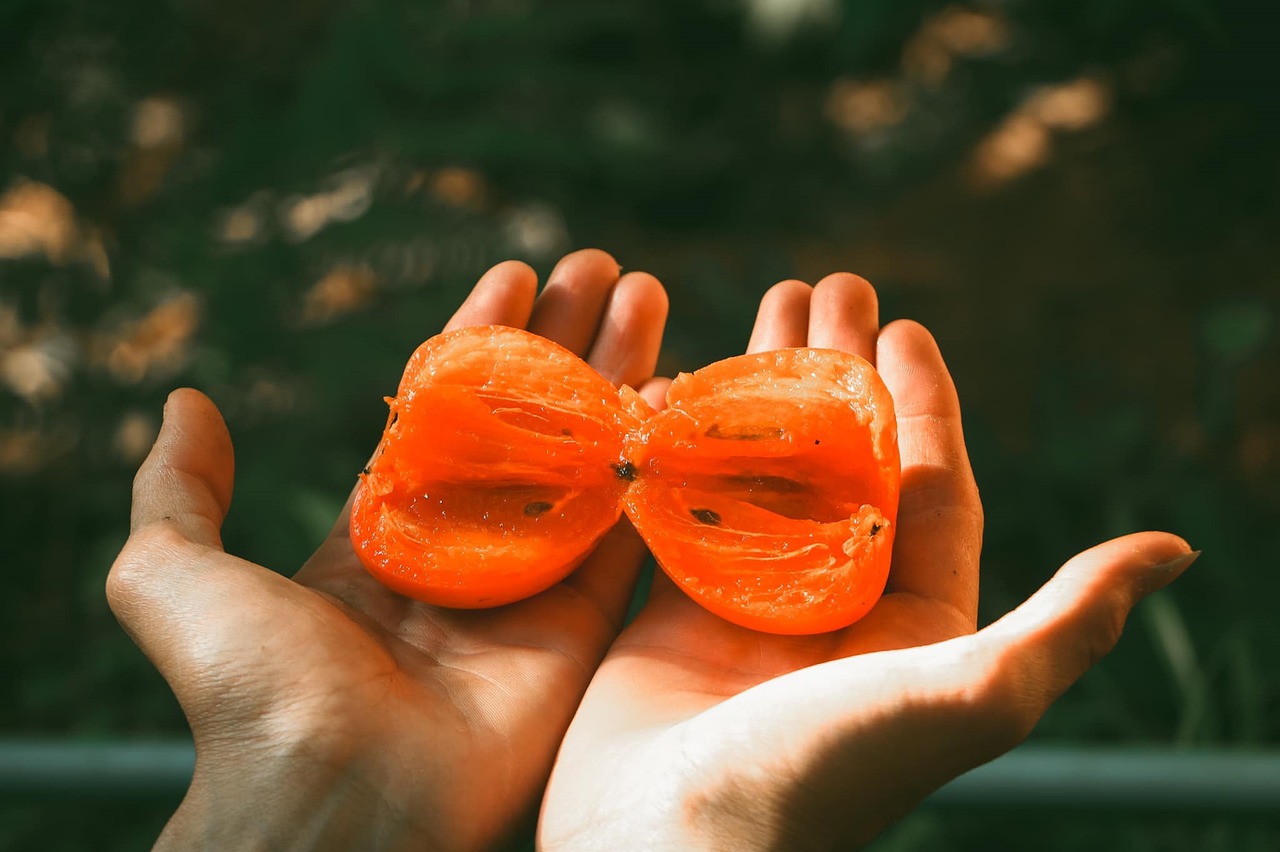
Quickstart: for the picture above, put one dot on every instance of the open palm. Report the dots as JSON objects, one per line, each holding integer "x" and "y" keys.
{"x": 317, "y": 701}
{"x": 696, "y": 733}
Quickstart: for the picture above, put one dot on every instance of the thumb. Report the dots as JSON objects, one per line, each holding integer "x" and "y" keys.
{"x": 914, "y": 718}
{"x": 180, "y": 497}
{"x": 1045, "y": 645}
{"x": 186, "y": 479}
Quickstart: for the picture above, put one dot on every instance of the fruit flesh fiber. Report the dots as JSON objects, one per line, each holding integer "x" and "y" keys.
{"x": 783, "y": 466}
{"x": 767, "y": 489}
{"x": 494, "y": 477}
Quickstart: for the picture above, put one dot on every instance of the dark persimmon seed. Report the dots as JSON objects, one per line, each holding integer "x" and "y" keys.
{"x": 706, "y": 516}
{"x": 792, "y": 533}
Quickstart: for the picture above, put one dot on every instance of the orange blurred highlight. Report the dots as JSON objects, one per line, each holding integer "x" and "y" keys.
{"x": 38, "y": 369}
{"x": 241, "y": 225}
{"x": 158, "y": 139}
{"x": 37, "y": 219}
{"x": 865, "y": 107}
{"x": 1017, "y": 146}
{"x": 1022, "y": 142}
{"x": 156, "y": 343}
{"x": 349, "y": 199}
{"x": 955, "y": 32}
{"x": 134, "y": 435}
{"x": 458, "y": 187}
{"x": 1075, "y": 105}
{"x": 346, "y": 288}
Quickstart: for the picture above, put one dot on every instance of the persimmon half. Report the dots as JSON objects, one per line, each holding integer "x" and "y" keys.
{"x": 767, "y": 488}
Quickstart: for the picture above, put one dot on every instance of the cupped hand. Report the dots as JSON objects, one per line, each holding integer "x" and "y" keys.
{"x": 329, "y": 712}
{"x": 698, "y": 734}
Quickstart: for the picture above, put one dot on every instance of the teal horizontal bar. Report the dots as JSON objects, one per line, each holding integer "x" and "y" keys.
{"x": 1062, "y": 777}
{"x": 98, "y": 769}
{"x": 1056, "y": 778}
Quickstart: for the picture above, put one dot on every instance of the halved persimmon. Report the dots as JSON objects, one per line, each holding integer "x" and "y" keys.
{"x": 767, "y": 488}
{"x": 497, "y": 471}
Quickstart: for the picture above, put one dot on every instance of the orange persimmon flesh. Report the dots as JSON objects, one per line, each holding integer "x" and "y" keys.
{"x": 767, "y": 488}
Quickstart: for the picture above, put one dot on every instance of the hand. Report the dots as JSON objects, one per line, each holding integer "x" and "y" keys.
{"x": 329, "y": 712}
{"x": 697, "y": 734}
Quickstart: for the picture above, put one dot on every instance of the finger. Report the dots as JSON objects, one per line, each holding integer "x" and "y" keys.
{"x": 502, "y": 296}
{"x": 915, "y": 718}
{"x": 626, "y": 349}
{"x": 782, "y": 321}
{"x": 939, "y": 538}
{"x": 1074, "y": 620}
{"x": 654, "y": 392}
{"x": 180, "y": 497}
{"x": 186, "y": 479}
{"x": 608, "y": 575}
{"x": 571, "y": 305}
{"x": 844, "y": 314}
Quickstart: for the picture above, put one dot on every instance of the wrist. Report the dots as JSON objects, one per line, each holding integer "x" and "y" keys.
{"x": 293, "y": 798}
{"x": 657, "y": 807}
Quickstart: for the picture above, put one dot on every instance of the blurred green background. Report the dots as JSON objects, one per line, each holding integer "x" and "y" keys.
{"x": 277, "y": 202}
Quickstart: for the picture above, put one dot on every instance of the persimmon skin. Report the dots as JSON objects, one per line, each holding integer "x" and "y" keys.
{"x": 494, "y": 476}
{"x": 767, "y": 489}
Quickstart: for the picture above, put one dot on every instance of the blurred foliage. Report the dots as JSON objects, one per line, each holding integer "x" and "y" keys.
{"x": 277, "y": 203}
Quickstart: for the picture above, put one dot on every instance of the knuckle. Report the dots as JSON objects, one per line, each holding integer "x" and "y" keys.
{"x": 129, "y": 575}
{"x": 1007, "y": 700}
{"x": 1105, "y": 628}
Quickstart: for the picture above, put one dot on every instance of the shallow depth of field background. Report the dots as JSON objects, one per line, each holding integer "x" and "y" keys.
{"x": 277, "y": 202}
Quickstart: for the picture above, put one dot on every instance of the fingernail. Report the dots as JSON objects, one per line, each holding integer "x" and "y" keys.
{"x": 1163, "y": 573}
{"x": 1178, "y": 564}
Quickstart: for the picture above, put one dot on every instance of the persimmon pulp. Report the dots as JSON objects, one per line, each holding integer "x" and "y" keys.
{"x": 494, "y": 474}
{"x": 767, "y": 489}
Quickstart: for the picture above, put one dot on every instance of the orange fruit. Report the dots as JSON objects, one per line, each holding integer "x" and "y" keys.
{"x": 767, "y": 488}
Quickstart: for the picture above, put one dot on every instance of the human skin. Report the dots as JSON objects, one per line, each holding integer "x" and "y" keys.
{"x": 331, "y": 713}
{"x": 697, "y": 734}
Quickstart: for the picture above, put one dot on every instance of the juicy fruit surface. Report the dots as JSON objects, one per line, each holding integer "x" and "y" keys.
{"x": 494, "y": 476}
{"x": 768, "y": 486}
{"x": 766, "y": 489}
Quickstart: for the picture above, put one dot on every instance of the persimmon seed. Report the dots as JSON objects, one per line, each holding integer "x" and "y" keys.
{"x": 706, "y": 516}
{"x": 626, "y": 470}
{"x": 536, "y": 508}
